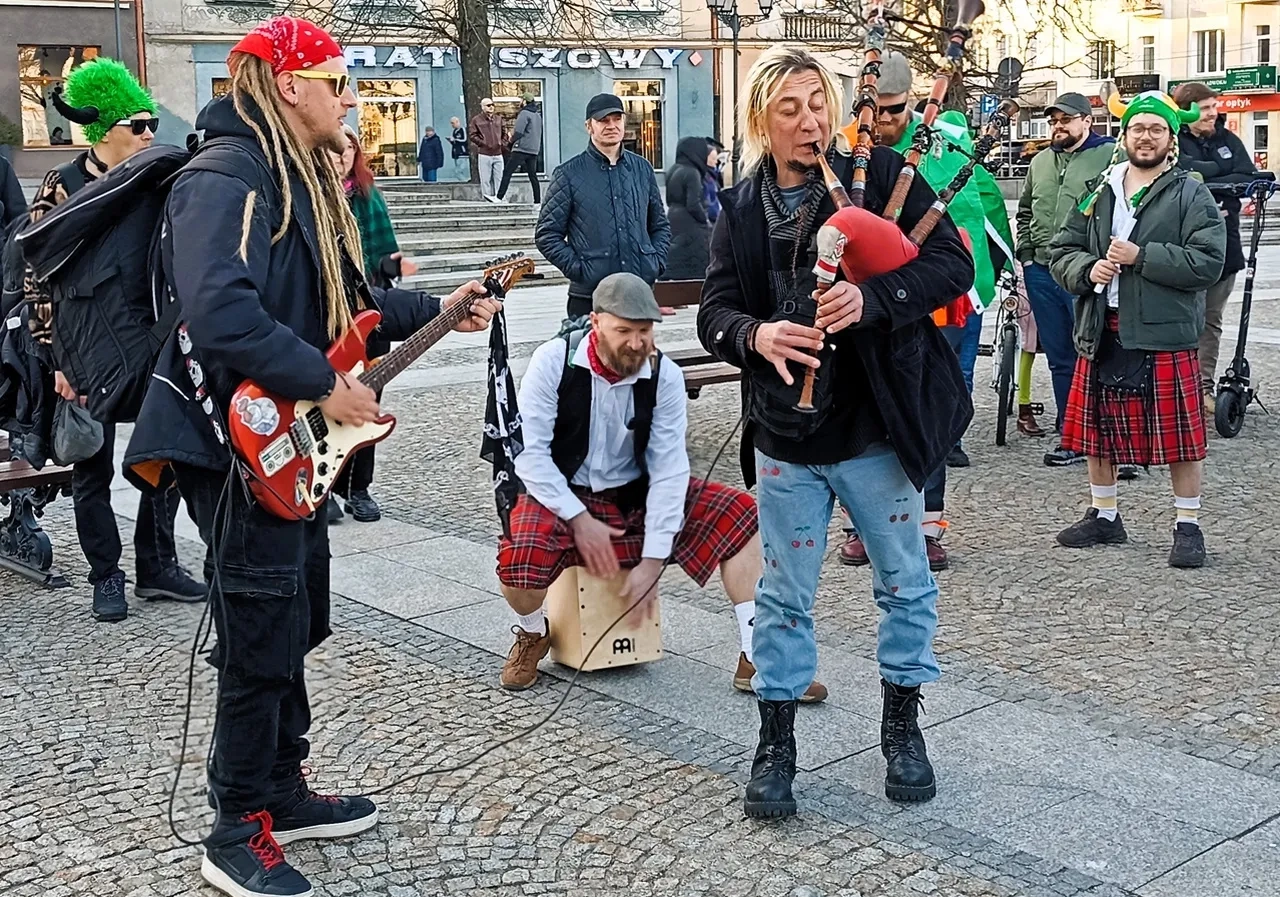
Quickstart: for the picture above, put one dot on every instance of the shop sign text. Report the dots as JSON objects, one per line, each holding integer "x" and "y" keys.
{"x": 516, "y": 57}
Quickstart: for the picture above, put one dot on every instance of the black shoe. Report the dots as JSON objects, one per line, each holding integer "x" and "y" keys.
{"x": 1188, "y": 546}
{"x": 174, "y": 583}
{"x": 769, "y": 791}
{"x": 908, "y": 775}
{"x": 362, "y": 507}
{"x": 1061, "y": 457}
{"x": 1127, "y": 472}
{"x": 243, "y": 859}
{"x": 957, "y": 457}
{"x": 333, "y": 510}
{"x": 310, "y": 815}
{"x": 1093, "y": 530}
{"x": 109, "y": 603}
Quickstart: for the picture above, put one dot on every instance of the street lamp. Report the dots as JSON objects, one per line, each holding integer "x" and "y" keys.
{"x": 727, "y": 12}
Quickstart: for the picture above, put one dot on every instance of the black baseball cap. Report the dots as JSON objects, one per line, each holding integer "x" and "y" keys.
{"x": 602, "y": 105}
{"x": 1071, "y": 103}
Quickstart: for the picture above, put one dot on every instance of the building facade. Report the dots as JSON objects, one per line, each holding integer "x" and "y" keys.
{"x": 45, "y": 39}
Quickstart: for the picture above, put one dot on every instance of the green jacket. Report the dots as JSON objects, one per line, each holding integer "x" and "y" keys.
{"x": 377, "y": 237}
{"x": 1054, "y": 184}
{"x": 972, "y": 208}
{"x": 1183, "y": 242}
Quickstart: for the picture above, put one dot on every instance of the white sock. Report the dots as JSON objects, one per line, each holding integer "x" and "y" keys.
{"x": 1104, "y": 499}
{"x": 535, "y": 622}
{"x": 1188, "y": 509}
{"x": 746, "y": 614}
{"x": 933, "y": 524}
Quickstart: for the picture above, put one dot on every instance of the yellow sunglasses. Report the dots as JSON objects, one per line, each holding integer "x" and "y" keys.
{"x": 340, "y": 82}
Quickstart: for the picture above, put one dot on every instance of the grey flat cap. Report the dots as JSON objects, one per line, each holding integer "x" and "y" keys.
{"x": 895, "y": 74}
{"x": 626, "y": 296}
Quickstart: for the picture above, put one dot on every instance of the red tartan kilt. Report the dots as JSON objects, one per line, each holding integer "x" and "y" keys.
{"x": 719, "y": 522}
{"x": 1165, "y": 428}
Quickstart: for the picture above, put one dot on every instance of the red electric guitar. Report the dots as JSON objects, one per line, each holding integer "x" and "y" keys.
{"x": 294, "y": 449}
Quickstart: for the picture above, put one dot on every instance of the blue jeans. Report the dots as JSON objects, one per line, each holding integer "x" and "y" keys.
{"x": 1054, "y": 309}
{"x": 964, "y": 342}
{"x": 429, "y": 175}
{"x": 795, "y": 507}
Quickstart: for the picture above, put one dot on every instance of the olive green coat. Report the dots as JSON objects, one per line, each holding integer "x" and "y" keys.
{"x": 1055, "y": 182}
{"x": 1182, "y": 247}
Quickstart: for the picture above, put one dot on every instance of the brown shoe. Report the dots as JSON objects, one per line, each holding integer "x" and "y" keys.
{"x": 521, "y": 668}
{"x": 853, "y": 553}
{"x": 1027, "y": 423}
{"x": 936, "y": 553}
{"x": 816, "y": 694}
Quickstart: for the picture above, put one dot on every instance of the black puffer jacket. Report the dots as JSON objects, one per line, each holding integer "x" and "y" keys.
{"x": 1220, "y": 158}
{"x": 254, "y": 308}
{"x": 687, "y": 208}
{"x": 599, "y": 218}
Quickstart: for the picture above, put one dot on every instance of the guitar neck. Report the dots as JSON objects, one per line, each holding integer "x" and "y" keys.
{"x": 411, "y": 349}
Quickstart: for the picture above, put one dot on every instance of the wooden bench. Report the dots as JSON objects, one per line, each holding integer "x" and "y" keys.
{"x": 700, "y": 367}
{"x": 25, "y": 547}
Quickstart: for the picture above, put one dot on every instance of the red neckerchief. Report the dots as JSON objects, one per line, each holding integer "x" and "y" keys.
{"x": 597, "y": 365}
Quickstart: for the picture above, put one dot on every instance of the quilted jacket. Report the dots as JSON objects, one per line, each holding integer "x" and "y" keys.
{"x": 599, "y": 218}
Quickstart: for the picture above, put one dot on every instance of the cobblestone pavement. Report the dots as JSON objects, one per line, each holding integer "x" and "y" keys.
{"x": 1106, "y": 726}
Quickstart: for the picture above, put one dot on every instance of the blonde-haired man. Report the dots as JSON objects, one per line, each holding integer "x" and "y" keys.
{"x": 890, "y": 397}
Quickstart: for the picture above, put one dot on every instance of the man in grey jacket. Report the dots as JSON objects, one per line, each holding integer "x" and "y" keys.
{"x": 525, "y": 146}
{"x": 603, "y": 213}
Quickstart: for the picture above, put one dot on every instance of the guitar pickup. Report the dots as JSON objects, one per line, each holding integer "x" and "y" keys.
{"x": 300, "y": 433}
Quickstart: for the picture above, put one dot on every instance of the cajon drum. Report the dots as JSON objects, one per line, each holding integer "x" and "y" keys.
{"x": 581, "y": 606}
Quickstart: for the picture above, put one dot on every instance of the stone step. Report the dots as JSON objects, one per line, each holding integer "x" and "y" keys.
{"x": 428, "y": 223}
{"x": 495, "y": 243}
{"x": 441, "y": 283}
{"x": 475, "y": 261}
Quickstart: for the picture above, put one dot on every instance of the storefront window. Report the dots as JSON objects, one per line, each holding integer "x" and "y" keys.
{"x": 389, "y": 126}
{"x": 1261, "y": 139}
{"x": 506, "y": 102}
{"x": 642, "y": 101}
{"x": 39, "y": 69}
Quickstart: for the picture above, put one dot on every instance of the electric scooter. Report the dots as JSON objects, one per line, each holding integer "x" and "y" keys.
{"x": 1235, "y": 391}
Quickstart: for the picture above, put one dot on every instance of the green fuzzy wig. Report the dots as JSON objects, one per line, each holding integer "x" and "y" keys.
{"x": 111, "y": 88}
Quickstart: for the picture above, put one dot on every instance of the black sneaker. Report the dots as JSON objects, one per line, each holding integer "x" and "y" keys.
{"x": 109, "y": 603}
{"x": 1093, "y": 530}
{"x": 243, "y": 859}
{"x": 333, "y": 510}
{"x": 173, "y": 583}
{"x": 1188, "y": 546}
{"x": 362, "y": 507}
{"x": 310, "y": 815}
{"x": 957, "y": 457}
{"x": 1061, "y": 457}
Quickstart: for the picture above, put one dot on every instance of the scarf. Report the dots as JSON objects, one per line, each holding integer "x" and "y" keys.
{"x": 597, "y": 365}
{"x": 503, "y": 436}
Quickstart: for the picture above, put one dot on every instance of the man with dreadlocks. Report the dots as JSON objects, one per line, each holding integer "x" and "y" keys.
{"x": 1139, "y": 254}
{"x": 264, "y": 258}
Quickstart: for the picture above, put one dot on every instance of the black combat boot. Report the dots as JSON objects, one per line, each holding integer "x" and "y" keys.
{"x": 909, "y": 775}
{"x": 769, "y": 791}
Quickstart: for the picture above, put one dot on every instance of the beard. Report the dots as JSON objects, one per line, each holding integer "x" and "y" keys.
{"x": 1156, "y": 161}
{"x": 1062, "y": 141}
{"x": 334, "y": 143}
{"x": 622, "y": 362}
{"x": 801, "y": 167}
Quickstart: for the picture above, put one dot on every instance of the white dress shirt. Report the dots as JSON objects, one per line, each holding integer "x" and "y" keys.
{"x": 1122, "y": 223}
{"x": 610, "y": 459}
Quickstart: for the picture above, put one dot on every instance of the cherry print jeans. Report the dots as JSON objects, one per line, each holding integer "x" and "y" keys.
{"x": 795, "y": 503}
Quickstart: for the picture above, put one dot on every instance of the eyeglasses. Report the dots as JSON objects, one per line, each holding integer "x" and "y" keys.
{"x": 1156, "y": 131}
{"x": 1060, "y": 120}
{"x": 340, "y": 81}
{"x": 138, "y": 125}
{"x": 895, "y": 109}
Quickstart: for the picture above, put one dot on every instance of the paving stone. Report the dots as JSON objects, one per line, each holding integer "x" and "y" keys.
{"x": 397, "y": 589}
{"x": 1245, "y": 867}
{"x": 449, "y": 557}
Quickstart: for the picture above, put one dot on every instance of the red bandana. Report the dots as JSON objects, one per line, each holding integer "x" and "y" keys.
{"x": 289, "y": 44}
{"x": 596, "y": 364}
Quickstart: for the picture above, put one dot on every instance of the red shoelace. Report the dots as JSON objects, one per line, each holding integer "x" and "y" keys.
{"x": 263, "y": 844}
{"x": 327, "y": 798}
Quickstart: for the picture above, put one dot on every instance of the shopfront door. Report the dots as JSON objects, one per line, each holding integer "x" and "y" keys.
{"x": 388, "y": 130}
{"x": 507, "y": 101}
{"x": 642, "y": 101}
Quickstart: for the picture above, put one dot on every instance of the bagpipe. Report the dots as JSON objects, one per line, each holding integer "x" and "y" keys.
{"x": 861, "y": 244}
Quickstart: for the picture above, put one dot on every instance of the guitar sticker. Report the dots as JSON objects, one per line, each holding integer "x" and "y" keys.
{"x": 260, "y": 415}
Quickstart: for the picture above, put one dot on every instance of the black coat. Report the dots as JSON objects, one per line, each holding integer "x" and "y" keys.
{"x": 687, "y": 208}
{"x": 912, "y": 373}
{"x": 253, "y": 308}
{"x": 598, "y": 219}
{"x": 1220, "y": 158}
{"x": 431, "y": 153}
{"x": 13, "y": 204}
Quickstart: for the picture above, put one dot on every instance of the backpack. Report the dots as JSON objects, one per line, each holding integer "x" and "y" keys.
{"x": 99, "y": 254}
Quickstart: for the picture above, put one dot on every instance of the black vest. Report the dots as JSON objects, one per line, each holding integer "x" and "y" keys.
{"x": 571, "y": 437}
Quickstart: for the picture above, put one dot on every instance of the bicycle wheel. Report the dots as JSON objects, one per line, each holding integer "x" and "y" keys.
{"x": 1004, "y": 380}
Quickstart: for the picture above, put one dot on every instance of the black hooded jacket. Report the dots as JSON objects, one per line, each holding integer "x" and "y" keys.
{"x": 689, "y": 253}
{"x": 1220, "y": 158}
{"x": 253, "y": 308}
